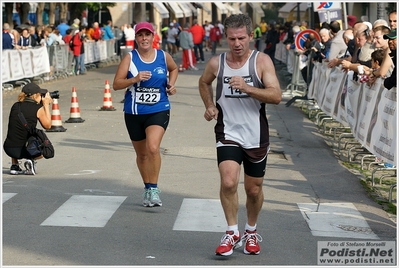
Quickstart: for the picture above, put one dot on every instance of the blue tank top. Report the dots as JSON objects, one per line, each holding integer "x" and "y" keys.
{"x": 150, "y": 96}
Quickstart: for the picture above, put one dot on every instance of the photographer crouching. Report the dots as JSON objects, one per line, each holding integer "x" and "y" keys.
{"x": 34, "y": 103}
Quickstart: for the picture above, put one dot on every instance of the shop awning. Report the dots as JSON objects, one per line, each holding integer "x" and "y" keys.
{"x": 232, "y": 9}
{"x": 193, "y": 8}
{"x": 186, "y": 10}
{"x": 257, "y": 8}
{"x": 203, "y": 6}
{"x": 162, "y": 10}
{"x": 221, "y": 7}
{"x": 176, "y": 9}
{"x": 286, "y": 10}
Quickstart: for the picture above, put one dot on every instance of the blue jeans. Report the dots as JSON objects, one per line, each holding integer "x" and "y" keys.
{"x": 80, "y": 62}
{"x": 198, "y": 48}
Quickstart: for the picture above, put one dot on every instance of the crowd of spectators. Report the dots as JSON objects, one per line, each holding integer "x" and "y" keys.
{"x": 347, "y": 48}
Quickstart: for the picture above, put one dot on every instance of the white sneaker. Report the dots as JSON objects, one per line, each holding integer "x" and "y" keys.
{"x": 154, "y": 199}
{"x": 30, "y": 167}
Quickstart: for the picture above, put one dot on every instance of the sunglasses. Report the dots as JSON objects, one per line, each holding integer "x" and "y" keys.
{"x": 367, "y": 32}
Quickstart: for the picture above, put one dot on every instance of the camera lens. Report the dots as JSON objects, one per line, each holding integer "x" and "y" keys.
{"x": 55, "y": 94}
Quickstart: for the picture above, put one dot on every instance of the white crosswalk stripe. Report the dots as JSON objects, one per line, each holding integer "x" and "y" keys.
{"x": 336, "y": 220}
{"x": 201, "y": 215}
{"x": 85, "y": 211}
{"x": 7, "y": 196}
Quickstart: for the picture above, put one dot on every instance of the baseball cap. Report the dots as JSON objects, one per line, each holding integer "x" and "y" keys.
{"x": 144, "y": 26}
{"x": 171, "y": 24}
{"x": 391, "y": 35}
{"x": 32, "y": 88}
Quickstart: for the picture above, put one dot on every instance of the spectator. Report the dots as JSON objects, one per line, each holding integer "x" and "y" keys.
{"x": 66, "y": 39}
{"x": 207, "y": 27}
{"x": 118, "y": 36}
{"x": 97, "y": 34}
{"x": 157, "y": 39}
{"x": 257, "y": 36}
{"x": 392, "y": 19}
{"x": 32, "y": 33}
{"x": 187, "y": 45}
{"x": 377, "y": 58}
{"x": 75, "y": 25}
{"x": 198, "y": 33}
{"x": 263, "y": 28}
{"x": 338, "y": 46}
{"x": 7, "y": 37}
{"x": 214, "y": 36}
{"x": 272, "y": 38}
{"x": 324, "y": 51}
{"x": 164, "y": 34}
{"x": 304, "y": 25}
{"x": 129, "y": 35}
{"x": 361, "y": 32}
{"x": 368, "y": 47}
{"x": 24, "y": 40}
{"x": 347, "y": 37}
{"x": 291, "y": 49}
{"x": 108, "y": 35}
{"x": 173, "y": 34}
{"x": 58, "y": 37}
{"x": 78, "y": 50}
{"x": 221, "y": 28}
{"x": 63, "y": 27}
{"x": 34, "y": 103}
{"x": 39, "y": 33}
{"x": 390, "y": 81}
{"x": 387, "y": 64}
{"x": 312, "y": 45}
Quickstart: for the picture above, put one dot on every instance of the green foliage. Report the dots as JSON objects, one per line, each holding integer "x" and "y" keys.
{"x": 270, "y": 15}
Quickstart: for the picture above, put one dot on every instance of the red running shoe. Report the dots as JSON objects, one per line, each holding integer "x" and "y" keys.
{"x": 252, "y": 240}
{"x": 228, "y": 242}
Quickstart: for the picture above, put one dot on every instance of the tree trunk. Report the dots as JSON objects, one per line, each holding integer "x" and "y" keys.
{"x": 51, "y": 13}
{"x": 9, "y": 7}
{"x": 63, "y": 10}
{"x": 39, "y": 13}
{"x": 24, "y": 12}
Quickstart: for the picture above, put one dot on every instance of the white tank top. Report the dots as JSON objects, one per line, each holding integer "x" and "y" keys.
{"x": 242, "y": 119}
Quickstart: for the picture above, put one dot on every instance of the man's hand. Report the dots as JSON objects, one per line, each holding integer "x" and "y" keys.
{"x": 211, "y": 113}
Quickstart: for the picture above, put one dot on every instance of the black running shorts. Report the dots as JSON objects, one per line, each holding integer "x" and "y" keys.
{"x": 136, "y": 124}
{"x": 240, "y": 155}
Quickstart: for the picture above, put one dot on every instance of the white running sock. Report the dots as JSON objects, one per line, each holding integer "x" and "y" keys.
{"x": 249, "y": 227}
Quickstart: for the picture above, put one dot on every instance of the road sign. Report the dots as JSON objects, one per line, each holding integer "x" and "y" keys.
{"x": 302, "y": 36}
{"x": 326, "y": 6}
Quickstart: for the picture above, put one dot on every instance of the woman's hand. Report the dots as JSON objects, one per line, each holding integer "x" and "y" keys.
{"x": 46, "y": 100}
{"x": 170, "y": 89}
{"x": 144, "y": 76}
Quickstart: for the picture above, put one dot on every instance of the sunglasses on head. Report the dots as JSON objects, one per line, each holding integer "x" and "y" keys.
{"x": 367, "y": 32}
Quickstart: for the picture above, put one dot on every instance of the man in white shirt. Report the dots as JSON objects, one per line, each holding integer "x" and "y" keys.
{"x": 172, "y": 35}
{"x": 129, "y": 35}
{"x": 208, "y": 26}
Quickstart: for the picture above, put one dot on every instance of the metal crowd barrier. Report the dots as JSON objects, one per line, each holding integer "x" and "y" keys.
{"x": 52, "y": 62}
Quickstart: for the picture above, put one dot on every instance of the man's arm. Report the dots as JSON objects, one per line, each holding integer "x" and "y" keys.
{"x": 205, "y": 88}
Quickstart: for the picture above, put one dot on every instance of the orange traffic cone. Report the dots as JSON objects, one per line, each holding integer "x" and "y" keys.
{"x": 75, "y": 110}
{"x": 56, "y": 122}
{"x": 107, "y": 104}
{"x": 181, "y": 69}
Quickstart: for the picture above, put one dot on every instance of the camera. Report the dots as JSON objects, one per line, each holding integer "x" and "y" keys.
{"x": 54, "y": 94}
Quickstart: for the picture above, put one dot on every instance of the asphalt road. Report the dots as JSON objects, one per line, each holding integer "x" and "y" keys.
{"x": 83, "y": 208}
